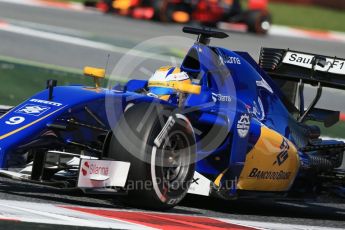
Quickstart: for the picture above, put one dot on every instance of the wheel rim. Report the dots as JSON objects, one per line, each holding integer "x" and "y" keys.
{"x": 265, "y": 25}
{"x": 175, "y": 160}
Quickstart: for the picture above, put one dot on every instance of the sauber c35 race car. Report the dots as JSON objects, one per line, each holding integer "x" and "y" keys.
{"x": 256, "y": 18}
{"x": 230, "y": 132}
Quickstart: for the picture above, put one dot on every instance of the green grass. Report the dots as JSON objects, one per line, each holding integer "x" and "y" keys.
{"x": 336, "y": 131}
{"x": 312, "y": 17}
{"x": 20, "y": 81}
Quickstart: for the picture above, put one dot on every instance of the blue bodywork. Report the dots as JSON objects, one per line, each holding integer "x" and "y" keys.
{"x": 232, "y": 85}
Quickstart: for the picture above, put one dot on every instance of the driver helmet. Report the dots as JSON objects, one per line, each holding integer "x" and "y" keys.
{"x": 162, "y": 81}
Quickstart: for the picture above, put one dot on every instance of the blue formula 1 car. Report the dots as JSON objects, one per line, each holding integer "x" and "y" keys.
{"x": 232, "y": 131}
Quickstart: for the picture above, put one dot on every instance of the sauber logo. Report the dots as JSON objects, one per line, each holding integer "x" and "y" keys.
{"x": 243, "y": 125}
{"x": 333, "y": 65}
{"x": 283, "y": 154}
{"x": 94, "y": 168}
{"x": 35, "y": 110}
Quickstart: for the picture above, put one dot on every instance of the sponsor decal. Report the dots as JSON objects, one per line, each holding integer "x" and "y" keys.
{"x": 283, "y": 154}
{"x": 46, "y": 102}
{"x": 195, "y": 180}
{"x": 222, "y": 98}
{"x": 200, "y": 185}
{"x": 164, "y": 132}
{"x": 35, "y": 110}
{"x": 243, "y": 125}
{"x": 262, "y": 83}
{"x": 94, "y": 169}
{"x": 258, "y": 110}
{"x": 269, "y": 175}
{"x": 102, "y": 173}
{"x": 333, "y": 65}
{"x": 232, "y": 60}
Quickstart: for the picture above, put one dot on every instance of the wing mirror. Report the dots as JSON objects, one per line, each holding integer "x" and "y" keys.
{"x": 95, "y": 73}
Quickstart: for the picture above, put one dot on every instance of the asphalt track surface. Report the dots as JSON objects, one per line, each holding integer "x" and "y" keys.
{"x": 124, "y": 32}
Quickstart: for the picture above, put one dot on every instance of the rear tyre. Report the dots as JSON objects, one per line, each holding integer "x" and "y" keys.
{"x": 108, "y": 6}
{"x": 258, "y": 21}
{"x": 161, "y": 154}
{"x": 158, "y": 9}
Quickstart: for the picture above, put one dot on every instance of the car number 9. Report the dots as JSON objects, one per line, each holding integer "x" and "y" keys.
{"x": 15, "y": 120}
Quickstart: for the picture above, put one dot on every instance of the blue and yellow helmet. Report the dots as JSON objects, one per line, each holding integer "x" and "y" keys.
{"x": 163, "y": 80}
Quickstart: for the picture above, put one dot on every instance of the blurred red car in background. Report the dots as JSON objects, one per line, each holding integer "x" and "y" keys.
{"x": 256, "y": 17}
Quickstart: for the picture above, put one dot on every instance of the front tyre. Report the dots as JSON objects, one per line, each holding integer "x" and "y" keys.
{"x": 258, "y": 21}
{"x": 161, "y": 150}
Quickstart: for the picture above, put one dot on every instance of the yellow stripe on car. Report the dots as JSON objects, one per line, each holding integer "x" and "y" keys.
{"x": 28, "y": 125}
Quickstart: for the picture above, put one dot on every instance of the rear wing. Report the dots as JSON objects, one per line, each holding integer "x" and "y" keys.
{"x": 298, "y": 66}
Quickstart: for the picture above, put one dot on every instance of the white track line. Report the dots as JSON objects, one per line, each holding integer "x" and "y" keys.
{"x": 4, "y": 26}
{"x": 61, "y": 38}
{"x": 51, "y": 214}
{"x": 57, "y": 5}
{"x": 49, "y": 28}
{"x": 308, "y": 34}
{"x": 276, "y": 226}
{"x": 333, "y": 138}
